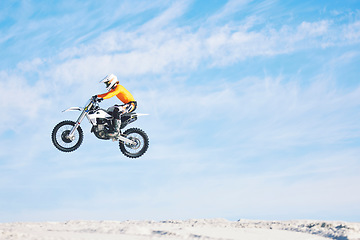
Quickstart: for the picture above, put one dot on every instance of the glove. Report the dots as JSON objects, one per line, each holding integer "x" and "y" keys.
{"x": 95, "y": 98}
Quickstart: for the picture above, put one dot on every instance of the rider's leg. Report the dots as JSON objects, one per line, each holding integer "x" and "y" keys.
{"x": 118, "y": 111}
{"x": 116, "y": 123}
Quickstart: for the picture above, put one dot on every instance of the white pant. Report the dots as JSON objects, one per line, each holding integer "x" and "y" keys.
{"x": 118, "y": 110}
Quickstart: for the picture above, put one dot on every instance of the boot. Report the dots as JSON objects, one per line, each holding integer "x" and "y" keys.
{"x": 117, "y": 125}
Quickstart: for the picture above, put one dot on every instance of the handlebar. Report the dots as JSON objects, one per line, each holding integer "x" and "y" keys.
{"x": 96, "y": 99}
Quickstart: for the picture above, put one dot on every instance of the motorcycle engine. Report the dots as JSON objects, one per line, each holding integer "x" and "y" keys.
{"x": 100, "y": 131}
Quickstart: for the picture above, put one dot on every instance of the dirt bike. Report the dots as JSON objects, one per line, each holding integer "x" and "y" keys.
{"x": 67, "y": 136}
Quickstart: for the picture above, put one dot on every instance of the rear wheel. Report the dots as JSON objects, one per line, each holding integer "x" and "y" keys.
{"x": 60, "y": 137}
{"x": 140, "y": 139}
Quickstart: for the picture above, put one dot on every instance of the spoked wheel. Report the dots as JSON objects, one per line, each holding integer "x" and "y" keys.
{"x": 140, "y": 139}
{"x": 60, "y": 137}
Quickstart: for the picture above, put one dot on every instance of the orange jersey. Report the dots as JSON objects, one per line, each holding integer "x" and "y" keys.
{"x": 120, "y": 92}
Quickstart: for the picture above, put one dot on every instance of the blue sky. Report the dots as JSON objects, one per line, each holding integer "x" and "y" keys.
{"x": 254, "y": 109}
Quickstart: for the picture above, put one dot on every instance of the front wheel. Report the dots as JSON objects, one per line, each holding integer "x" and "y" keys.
{"x": 60, "y": 135}
{"x": 141, "y": 143}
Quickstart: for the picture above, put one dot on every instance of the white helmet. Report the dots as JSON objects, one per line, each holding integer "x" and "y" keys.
{"x": 110, "y": 81}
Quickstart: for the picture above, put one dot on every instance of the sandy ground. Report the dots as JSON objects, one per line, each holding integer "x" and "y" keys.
{"x": 209, "y": 229}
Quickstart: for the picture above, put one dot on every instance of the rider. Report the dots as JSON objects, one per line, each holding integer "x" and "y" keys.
{"x": 115, "y": 89}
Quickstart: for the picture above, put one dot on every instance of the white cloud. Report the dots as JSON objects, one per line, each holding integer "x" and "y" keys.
{"x": 351, "y": 32}
{"x": 227, "y": 10}
{"x": 30, "y": 66}
{"x": 19, "y": 101}
{"x": 278, "y": 115}
{"x": 176, "y": 49}
{"x": 176, "y": 10}
{"x": 314, "y": 29}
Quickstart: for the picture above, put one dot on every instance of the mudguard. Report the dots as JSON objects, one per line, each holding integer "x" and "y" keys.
{"x": 73, "y": 109}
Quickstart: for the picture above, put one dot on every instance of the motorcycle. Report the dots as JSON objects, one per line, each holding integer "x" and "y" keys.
{"x": 67, "y": 136}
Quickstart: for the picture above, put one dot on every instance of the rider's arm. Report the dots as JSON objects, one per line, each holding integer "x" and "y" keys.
{"x": 111, "y": 93}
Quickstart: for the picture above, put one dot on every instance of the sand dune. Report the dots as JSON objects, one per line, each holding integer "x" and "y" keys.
{"x": 209, "y": 229}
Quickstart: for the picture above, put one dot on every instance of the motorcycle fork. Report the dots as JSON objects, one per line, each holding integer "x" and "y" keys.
{"x": 78, "y": 122}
